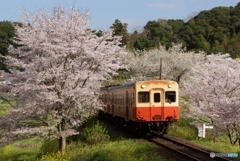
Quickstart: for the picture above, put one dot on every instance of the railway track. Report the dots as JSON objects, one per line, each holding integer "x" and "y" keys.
{"x": 186, "y": 152}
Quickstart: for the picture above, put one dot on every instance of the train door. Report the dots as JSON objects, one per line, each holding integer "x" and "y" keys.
{"x": 156, "y": 104}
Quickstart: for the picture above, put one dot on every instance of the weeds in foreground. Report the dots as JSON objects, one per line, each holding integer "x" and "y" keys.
{"x": 183, "y": 130}
{"x": 96, "y": 144}
{"x": 23, "y": 150}
{"x": 93, "y": 145}
{"x": 127, "y": 150}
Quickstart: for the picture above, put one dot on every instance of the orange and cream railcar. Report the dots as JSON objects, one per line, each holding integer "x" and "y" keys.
{"x": 145, "y": 105}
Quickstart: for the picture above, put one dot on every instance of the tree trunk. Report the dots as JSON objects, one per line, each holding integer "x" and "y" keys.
{"x": 62, "y": 136}
{"x": 239, "y": 142}
{"x": 62, "y": 144}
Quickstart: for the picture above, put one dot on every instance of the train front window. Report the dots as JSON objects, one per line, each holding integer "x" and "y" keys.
{"x": 156, "y": 97}
{"x": 170, "y": 96}
{"x": 143, "y": 97}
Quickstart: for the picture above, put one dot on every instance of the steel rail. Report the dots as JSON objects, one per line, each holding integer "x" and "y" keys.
{"x": 190, "y": 153}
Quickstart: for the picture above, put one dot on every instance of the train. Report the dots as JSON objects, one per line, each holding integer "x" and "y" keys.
{"x": 143, "y": 106}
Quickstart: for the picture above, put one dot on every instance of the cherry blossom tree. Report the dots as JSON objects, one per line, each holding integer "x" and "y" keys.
{"x": 176, "y": 63}
{"x": 214, "y": 92}
{"x": 59, "y": 69}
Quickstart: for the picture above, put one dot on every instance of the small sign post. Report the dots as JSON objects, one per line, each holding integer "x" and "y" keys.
{"x": 202, "y": 130}
{"x": 206, "y": 127}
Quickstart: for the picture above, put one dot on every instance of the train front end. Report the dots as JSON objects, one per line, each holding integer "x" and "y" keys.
{"x": 157, "y": 104}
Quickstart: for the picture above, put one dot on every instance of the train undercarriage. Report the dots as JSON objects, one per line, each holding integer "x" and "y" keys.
{"x": 154, "y": 128}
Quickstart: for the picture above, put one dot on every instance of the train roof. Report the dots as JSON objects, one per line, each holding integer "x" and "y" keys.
{"x": 129, "y": 84}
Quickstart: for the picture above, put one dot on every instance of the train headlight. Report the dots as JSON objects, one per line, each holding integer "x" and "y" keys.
{"x": 143, "y": 86}
{"x": 169, "y": 85}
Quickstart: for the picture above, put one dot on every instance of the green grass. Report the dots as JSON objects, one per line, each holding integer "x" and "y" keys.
{"x": 23, "y": 150}
{"x": 183, "y": 130}
{"x": 218, "y": 147}
{"x": 97, "y": 142}
{"x": 4, "y": 107}
{"x": 100, "y": 142}
{"x": 125, "y": 149}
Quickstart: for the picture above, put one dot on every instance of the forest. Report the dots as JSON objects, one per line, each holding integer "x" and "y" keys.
{"x": 211, "y": 31}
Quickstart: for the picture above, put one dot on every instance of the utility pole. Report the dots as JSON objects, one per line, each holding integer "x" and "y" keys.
{"x": 160, "y": 66}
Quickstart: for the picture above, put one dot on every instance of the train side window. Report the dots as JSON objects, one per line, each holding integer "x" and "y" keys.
{"x": 156, "y": 97}
{"x": 143, "y": 97}
{"x": 118, "y": 98}
{"x": 170, "y": 96}
{"x": 132, "y": 98}
{"x": 112, "y": 100}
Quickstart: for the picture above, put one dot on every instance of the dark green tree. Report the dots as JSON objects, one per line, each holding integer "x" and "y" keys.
{"x": 176, "y": 27}
{"x": 7, "y": 32}
{"x": 120, "y": 29}
{"x": 236, "y": 18}
{"x": 233, "y": 46}
{"x": 159, "y": 32}
{"x": 143, "y": 43}
{"x": 211, "y": 30}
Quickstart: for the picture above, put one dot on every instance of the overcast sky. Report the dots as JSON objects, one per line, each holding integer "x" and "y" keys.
{"x": 136, "y": 13}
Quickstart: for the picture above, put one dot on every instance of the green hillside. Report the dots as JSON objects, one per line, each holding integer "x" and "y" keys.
{"x": 212, "y": 31}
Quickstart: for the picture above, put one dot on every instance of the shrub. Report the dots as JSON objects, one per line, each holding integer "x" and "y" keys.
{"x": 95, "y": 134}
{"x": 49, "y": 146}
{"x": 53, "y": 157}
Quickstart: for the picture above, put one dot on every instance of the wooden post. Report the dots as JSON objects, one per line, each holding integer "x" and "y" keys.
{"x": 160, "y": 70}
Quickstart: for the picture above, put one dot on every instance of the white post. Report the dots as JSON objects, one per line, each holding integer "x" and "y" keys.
{"x": 203, "y": 131}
